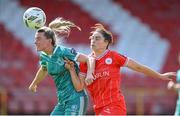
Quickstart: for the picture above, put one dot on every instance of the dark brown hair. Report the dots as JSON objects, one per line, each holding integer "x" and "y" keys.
{"x": 49, "y": 33}
{"x": 106, "y": 34}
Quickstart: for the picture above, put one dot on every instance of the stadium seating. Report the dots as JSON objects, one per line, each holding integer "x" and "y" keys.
{"x": 19, "y": 62}
{"x": 66, "y": 9}
{"x": 17, "y": 70}
{"x": 162, "y": 17}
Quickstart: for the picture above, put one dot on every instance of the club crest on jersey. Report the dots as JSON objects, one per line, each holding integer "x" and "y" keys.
{"x": 74, "y": 107}
{"x": 108, "y": 61}
{"x": 73, "y": 51}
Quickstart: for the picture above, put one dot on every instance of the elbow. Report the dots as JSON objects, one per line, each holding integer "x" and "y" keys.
{"x": 82, "y": 58}
{"x": 138, "y": 68}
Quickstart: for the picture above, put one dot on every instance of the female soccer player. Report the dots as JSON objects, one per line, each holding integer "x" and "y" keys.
{"x": 104, "y": 90}
{"x": 70, "y": 101}
{"x": 62, "y": 29}
{"x": 176, "y": 86}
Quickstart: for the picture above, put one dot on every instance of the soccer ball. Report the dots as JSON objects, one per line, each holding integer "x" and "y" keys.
{"x": 34, "y": 18}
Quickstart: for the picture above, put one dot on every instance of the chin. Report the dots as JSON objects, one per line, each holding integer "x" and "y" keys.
{"x": 37, "y": 49}
{"x": 94, "y": 47}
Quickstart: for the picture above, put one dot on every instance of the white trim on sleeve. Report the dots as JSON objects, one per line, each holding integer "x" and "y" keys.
{"x": 126, "y": 62}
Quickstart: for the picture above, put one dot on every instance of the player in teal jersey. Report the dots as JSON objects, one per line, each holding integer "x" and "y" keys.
{"x": 70, "y": 100}
{"x": 176, "y": 86}
{"x": 62, "y": 29}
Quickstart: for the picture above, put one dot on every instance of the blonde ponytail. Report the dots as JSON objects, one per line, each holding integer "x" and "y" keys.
{"x": 59, "y": 23}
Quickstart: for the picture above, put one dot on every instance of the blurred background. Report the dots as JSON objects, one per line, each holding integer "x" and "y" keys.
{"x": 146, "y": 30}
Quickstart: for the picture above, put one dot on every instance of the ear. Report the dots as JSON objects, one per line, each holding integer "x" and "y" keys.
{"x": 106, "y": 41}
{"x": 50, "y": 40}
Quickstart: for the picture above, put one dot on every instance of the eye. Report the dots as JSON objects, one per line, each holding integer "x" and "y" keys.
{"x": 97, "y": 37}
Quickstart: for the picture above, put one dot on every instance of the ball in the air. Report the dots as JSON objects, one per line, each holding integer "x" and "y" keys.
{"x": 34, "y": 18}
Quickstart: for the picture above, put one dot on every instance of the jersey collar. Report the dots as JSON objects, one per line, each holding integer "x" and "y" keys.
{"x": 54, "y": 51}
{"x": 102, "y": 55}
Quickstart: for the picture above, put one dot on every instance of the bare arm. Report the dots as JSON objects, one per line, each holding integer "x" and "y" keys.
{"x": 91, "y": 66}
{"x": 148, "y": 71}
{"x": 40, "y": 75}
{"x": 82, "y": 58}
{"x": 78, "y": 82}
{"x": 89, "y": 60}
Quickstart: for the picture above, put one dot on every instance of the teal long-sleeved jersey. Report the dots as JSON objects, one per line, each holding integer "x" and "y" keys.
{"x": 55, "y": 66}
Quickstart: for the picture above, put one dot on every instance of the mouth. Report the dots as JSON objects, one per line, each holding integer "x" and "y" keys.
{"x": 37, "y": 46}
{"x": 92, "y": 44}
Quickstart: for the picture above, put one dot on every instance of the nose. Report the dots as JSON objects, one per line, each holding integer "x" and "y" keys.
{"x": 92, "y": 41}
{"x": 35, "y": 41}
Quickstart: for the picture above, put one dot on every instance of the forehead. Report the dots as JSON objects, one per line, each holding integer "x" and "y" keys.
{"x": 96, "y": 33}
{"x": 39, "y": 34}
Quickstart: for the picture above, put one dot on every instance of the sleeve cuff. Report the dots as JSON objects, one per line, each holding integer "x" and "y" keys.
{"x": 126, "y": 62}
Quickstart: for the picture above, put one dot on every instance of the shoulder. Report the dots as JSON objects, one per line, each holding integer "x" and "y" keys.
{"x": 113, "y": 52}
{"x": 119, "y": 58}
{"x": 59, "y": 49}
{"x": 64, "y": 48}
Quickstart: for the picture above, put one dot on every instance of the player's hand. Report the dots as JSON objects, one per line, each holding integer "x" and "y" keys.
{"x": 170, "y": 85}
{"x": 68, "y": 64}
{"x": 90, "y": 73}
{"x": 167, "y": 76}
{"x": 89, "y": 79}
{"x": 33, "y": 88}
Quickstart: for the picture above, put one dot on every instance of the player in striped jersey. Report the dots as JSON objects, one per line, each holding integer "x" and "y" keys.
{"x": 105, "y": 89}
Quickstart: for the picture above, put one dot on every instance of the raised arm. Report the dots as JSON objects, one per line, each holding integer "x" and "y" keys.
{"x": 40, "y": 75}
{"x": 90, "y": 62}
{"x": 91, "y": 66}
{"x": 148, "y": 71}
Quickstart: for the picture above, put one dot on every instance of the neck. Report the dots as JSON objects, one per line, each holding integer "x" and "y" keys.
{"x": 99, "y": 52}
{"x": 49, "y": 50}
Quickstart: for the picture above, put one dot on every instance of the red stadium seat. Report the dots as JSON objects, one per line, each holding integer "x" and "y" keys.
{"x": 162, "y": 17}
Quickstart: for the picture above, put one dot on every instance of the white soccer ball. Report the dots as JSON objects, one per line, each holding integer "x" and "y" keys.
{"x": 34, "y": 18}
